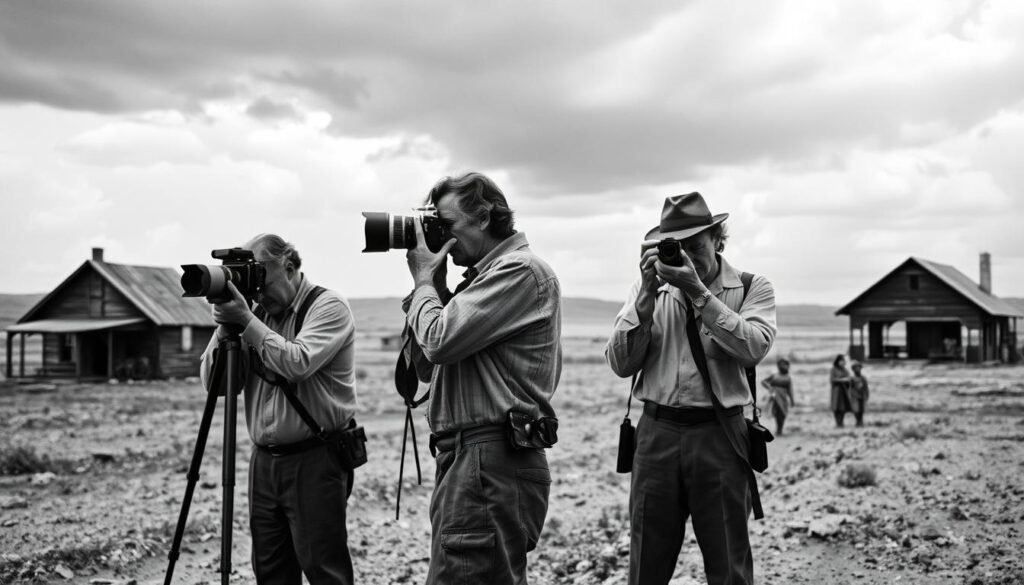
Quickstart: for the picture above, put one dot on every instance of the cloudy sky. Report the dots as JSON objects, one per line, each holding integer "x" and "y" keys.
{"x": 842, "y": 137}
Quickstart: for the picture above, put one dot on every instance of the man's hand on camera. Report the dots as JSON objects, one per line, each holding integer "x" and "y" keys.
{"x": 684, "y": 277}
{"x": 233, "y": 312}
{"x": 649, "y": 281}
{"x": 424, "y": 265}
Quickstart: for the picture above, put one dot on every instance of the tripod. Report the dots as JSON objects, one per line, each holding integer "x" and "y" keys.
{"x": 223, "y": 382}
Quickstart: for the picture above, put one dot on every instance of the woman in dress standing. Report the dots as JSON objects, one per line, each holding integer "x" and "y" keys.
{"x": 840, "y": 379}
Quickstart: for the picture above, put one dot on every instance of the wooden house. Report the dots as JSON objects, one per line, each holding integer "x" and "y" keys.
{"x": 114, "y": 321}
{"x": 947, "y": 315}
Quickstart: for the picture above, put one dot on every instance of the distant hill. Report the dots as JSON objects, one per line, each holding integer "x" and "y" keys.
{"x": 13, "y": 307}
{"x": 582, "y": 316}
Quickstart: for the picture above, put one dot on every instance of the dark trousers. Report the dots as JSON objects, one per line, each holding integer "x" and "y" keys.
{"x": 486, "y": 512}
{"x": 297, "y": 517}
{"x": 689, "y": 471}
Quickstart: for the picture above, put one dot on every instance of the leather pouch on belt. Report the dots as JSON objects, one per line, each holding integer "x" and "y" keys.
{"x": 353, "y": 447}
{"x": 525, "y": 432}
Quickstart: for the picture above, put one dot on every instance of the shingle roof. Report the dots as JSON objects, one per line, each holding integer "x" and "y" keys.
{"x": 155, "y": 291}
{"x": 960, "y": 282}
{"x": 956, "y": 280}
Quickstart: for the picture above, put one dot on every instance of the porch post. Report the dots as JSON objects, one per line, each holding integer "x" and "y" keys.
{"x": 110, "y": 353}
{"x": 10, "y": 353}
{"x": 21, "y": 361}
{"x": 78, "y": 358}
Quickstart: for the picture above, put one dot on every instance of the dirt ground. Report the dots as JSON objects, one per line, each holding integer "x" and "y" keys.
{"x": 93, "y": 478}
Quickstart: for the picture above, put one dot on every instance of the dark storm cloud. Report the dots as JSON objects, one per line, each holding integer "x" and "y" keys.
{"x": 265, "y": 108}
{"x": 533, "y": 88}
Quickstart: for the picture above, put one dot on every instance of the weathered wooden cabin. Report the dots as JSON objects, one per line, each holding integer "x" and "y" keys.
{"x": 114, "y": 321}
{"x": 947, "y": 316}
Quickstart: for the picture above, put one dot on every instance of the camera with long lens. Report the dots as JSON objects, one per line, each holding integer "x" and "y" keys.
{"x": 385, "y": 231}
{"x": 238, "y": 267}
{"x": 670, "y": 252}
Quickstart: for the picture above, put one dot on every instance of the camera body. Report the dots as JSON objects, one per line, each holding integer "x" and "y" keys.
{"x": 238, "y": 267}
{"x": 670, "y": 252}
{"x": 385, "y": 231}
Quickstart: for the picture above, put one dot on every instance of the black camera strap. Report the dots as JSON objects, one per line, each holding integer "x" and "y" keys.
{"x": 407, "y": 382}
{"x": 290, "y": 389}
{"x": 697, "y": 348}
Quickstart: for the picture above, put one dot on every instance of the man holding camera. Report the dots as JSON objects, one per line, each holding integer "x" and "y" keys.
{"x": 691, "y": 445}
{"x": 301, "y": 470}
{"x": 492, "y": 354}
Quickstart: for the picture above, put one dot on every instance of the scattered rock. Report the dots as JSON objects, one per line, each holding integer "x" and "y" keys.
{"x": 828, "y": 525}
{"x": 65, "y": 572}
{"x": 12, "y": 502}
{"x": 956, "y": 513}
{"x": 45, "y": 478}
{"x": 930, "y": 532}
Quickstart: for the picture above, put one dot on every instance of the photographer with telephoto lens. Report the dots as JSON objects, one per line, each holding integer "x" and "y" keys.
{"x": 689, "y": 328}
{"x": 300, "y": 398}
{"x": 492, "y": 353}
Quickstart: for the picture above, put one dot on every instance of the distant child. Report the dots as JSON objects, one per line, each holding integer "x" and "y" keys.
{"x": 858, "y": 393}
{"x": 780, "y": 394}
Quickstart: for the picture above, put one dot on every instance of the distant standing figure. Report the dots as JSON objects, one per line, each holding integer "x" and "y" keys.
{"x": 780, "y": 394}
{"x": 858, "y": 392}
{"x": 840, "y": 378}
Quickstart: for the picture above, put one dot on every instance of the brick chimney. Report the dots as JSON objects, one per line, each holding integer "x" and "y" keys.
{"x": 97, "y": 254}
{"x": 985, "y": 281}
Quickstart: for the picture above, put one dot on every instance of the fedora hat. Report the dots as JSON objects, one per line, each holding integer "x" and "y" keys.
{"x": 684, "y": 216}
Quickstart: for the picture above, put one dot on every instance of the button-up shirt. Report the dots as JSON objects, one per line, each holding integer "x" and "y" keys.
{"x": 735, "y": 334}
{"x": 319, "y": 360}
{"x": 495, "y": 346}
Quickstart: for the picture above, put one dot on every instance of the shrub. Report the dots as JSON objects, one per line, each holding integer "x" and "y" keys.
{"x": 22, "y": 461}
{"x": 858, "y": 475}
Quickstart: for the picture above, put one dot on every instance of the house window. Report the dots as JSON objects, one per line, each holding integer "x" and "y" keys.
{"x": 914, "y": 282}
{"x": 186, "y": 338}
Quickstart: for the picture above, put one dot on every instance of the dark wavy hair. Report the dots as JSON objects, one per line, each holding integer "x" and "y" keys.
{"x": 477, "y": 196}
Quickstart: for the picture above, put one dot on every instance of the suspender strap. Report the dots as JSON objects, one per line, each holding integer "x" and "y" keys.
{"x": 290, "y": 389}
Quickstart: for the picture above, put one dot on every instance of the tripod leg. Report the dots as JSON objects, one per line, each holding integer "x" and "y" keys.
{"x": 230, "y": 420}
{"x": 193, "y": 472}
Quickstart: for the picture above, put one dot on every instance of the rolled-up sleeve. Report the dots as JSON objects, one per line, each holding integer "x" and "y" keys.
{"x": 627, "y": 348}
{"x": 328, "y": 327}
{"x": 747, "y": 335}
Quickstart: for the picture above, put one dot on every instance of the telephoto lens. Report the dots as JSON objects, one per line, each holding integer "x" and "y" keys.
{"x": 385, "y": 231}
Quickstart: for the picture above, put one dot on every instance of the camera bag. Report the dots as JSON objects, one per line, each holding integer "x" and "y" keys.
{"x": 627, "y": 436}
{"x": 351, "y": 441}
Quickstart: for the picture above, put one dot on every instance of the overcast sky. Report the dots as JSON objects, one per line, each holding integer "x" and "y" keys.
{"x": 842, "y": 137}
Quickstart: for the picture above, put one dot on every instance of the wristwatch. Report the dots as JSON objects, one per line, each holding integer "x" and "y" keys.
{"x": 702, "y": 300}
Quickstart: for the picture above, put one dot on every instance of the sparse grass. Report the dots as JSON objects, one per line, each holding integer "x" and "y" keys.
{"x": 39, "y": 567}
{"x": 20, "y": 460}
{"x": 912, "y": 433}
{"x": 856, "y": 475}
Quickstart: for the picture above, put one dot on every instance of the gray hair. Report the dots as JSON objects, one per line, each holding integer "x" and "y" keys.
{"x": 273, "y": 248}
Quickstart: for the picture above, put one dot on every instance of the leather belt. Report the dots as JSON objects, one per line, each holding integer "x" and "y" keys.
{"x": 453, "y": 440}
{"x": 304, "y": 445}
{"x": 686, "y": 416}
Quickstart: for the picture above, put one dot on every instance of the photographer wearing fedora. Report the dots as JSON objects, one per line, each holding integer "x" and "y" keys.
{"x": 691, "y": 450}
{"x": 492, "y": 353}
{"x": 299, "y": 387}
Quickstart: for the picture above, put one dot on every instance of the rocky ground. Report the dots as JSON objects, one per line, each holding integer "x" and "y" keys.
{"x": 92, "y": 479}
